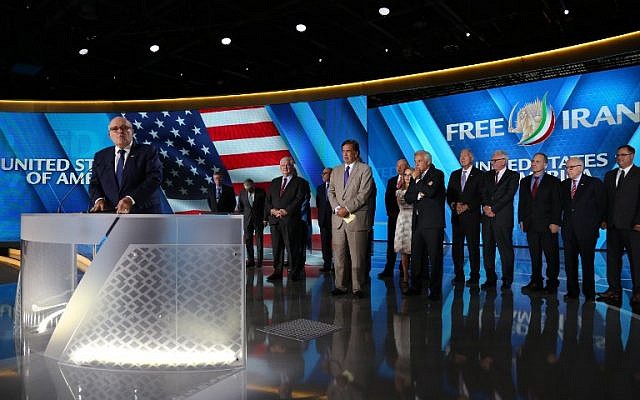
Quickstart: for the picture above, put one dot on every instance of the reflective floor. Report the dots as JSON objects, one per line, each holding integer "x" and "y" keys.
{"x": 474, "y": 344}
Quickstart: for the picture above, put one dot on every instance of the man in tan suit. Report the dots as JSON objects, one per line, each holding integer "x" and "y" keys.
{"x": 350, "y": 187}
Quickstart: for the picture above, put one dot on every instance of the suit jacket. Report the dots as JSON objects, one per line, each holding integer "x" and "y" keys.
{"x": 142, "y": 179}
{"x": 500, "y": 197}
{"x": 471, "y": 195}
{"x": 253, "y": 214}
{"x": 323, "y": 205}
{"x": 428, "y": 212}
{"x": 355, "y": 196}
{"x": 583, "y": 214}
{"x": 623, "y": 203}
{"x": 390, "y": 202}
{"x": 536, "y": 214}
{"x": 291, "y": 200}
{"x": 227, "y": 202}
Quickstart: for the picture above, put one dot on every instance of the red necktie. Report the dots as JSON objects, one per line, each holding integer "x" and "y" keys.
{"x": 534, "y": 189}
{"x": 399, "y": 184}
{"x": 573, "y": 188}
{"x": 284, "y": 185}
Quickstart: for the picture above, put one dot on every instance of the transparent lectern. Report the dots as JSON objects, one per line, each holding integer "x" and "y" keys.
{"x": 163, "y": 293}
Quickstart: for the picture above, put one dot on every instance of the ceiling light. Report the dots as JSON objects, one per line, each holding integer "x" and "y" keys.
{"x": 468, "y": 34}
{"x": 301, "y": 27}
{"x": 319, "y": 60}
{"x": 386, "y": 50}
{"x": 226, "y": 41}
{"x": 384, "y": 11}
{"x": 154, "y": 48}
{"x": 83, "y": 52}
{"x": 566, "y": 11}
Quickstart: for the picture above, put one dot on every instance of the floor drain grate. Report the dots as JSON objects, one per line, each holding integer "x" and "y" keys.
{"x": 301, "y": 329}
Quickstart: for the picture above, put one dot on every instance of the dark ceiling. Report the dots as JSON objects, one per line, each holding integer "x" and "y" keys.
{"x": 41, "y": 40}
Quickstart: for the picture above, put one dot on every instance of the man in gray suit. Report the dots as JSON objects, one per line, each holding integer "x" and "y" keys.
{"x": 350, "y": 187}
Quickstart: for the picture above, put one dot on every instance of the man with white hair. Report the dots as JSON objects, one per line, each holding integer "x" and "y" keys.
{"x": 282, "y": 209}
{"x": 501, "y": 185}
{"x": 427, "y": 194}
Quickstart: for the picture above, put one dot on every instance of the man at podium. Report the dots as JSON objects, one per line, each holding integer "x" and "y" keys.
{"x": 126, "y": 178}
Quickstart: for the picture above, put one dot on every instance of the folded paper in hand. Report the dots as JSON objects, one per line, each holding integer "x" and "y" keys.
{"x": 350, "y": 218}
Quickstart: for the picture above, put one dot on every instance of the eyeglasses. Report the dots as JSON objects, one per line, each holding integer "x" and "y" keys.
{"x": 494, "y": 160}
{"x": 572, "y": 166}
{"x": 620, "y": 155}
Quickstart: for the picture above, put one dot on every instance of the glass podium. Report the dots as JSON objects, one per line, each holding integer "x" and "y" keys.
{"x": 163, "y": 294}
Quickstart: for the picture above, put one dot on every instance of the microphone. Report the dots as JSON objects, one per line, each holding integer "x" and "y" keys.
{"x": 66, "y": 195}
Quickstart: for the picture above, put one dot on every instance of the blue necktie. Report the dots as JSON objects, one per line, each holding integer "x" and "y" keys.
{"x": 346, "y": 175}
{"x": 120, "y": 167}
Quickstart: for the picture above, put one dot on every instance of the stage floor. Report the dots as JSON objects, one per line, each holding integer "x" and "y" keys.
{"x": 474, "y": 344}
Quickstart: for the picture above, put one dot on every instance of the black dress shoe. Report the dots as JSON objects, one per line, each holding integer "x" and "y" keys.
{"x": 434, "y": 297}
{"x": 295, "y": 277}
{"x": 488, "y": 285}
{"x": 276, "y": 276}
{"x": 338, "y": 292}
{"x": 385, "y": 274}
{"x": 458, "y": 280}
{"x": 472, "y": 283}
{"x": 358, "y": 294}
{"x": 550, "y": 290}
{"x": 412, "y": 291}
{"x": 608, "y": 293}
{"x": 505, "y": 286}
{"x": 251, "y": 264}
{"x": 590, "y": 298}
{"x": 570, "y": 297}
{"x": 532, "y": 287}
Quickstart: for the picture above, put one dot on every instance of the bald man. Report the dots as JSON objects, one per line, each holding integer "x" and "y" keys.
{"x": 126, "y": 178}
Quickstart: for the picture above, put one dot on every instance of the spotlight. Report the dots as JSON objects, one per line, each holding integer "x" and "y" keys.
{"x": 566, "y": 11}
{"x": 386, "y": 50}
{"x": 468, "y": 34}
{"x": 83, "y": 52}
{"x": 154, "y": 48}
{"x": 301, "y": 27}
{"x": 384, "y": 11}
{"x": 319, "y": 60}
{"x": 226, "y": 41}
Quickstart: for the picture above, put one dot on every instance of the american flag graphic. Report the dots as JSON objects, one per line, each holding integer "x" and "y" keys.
{"x": 193, "y": 144}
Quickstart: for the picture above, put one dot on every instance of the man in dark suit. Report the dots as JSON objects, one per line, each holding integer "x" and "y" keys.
{"x": 391, "y": 204}
{"x": 583, "y": 211}
{"x": 282, "y": 209}
{"x": 623, "y": 224}
{"x": 427, "y": 194}
{"x": 324, "y": 219}
{"x": 251, "y": 205}
{"x": 464, "y": 193}
{"x": 126, "y": 178}
{"x": 539, "y": 214}
{"x": 500, "y": 188}
{"x": 221, "y": 197}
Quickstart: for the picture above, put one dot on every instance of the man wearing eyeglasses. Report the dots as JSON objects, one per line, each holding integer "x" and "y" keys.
{"x": 126, "y": 178}
{"x": 426, "y": 192}
{"x": 623, "y": 225}
{"x": 539, "y": 214}
{"x": 464, "y": 192}
{"x": 501, "y": 185}
{"x": 583, "y": 210}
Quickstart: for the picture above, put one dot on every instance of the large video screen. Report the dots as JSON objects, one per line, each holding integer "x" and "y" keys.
{"x": 586, "y": 116}
{"x": 46, "y": 158}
